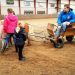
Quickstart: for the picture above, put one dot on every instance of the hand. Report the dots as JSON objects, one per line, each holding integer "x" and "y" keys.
{"x": 5, "y": 34}
{"x": 64, "y": 23}
{"x": 0, "y": 38}
{"x": 59, "y": 27}
{"x": 68, "y": 23}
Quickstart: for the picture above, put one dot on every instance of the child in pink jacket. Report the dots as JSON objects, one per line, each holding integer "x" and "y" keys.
{"x": 10, "y": 23}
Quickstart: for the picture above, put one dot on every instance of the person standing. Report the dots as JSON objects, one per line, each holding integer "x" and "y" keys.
{"x": 20, "y": 38}
{"x": 10, "y": 23}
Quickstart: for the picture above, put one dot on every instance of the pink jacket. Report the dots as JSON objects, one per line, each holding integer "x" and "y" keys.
{"x": 10, "y": 23}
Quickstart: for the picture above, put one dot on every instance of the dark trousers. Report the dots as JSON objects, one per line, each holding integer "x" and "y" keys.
{"x": 19, "y": 49}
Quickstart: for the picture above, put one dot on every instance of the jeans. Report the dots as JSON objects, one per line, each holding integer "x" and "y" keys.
{"x": 8, "y": 37}
{"x": 59, "y": 31}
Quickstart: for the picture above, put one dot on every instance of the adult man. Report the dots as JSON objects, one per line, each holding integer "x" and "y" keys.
{"x": 65, "y": 18}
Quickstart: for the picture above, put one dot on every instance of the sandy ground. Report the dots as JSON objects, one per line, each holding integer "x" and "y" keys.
{"x": 41, "y": 58}
{"x": 39, "y": 26}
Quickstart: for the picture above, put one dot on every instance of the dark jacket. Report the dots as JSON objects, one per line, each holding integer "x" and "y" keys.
{"x": 20, "y": 37}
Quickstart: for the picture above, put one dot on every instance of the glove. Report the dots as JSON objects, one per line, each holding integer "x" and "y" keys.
{"x": 17, "y": 29}
{"x": 64, "y": 23}
{"x": 68, "y": 23}
{"x": 59, "y": 27}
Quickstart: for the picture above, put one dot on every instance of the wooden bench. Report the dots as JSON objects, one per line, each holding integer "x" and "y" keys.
{"x": 69, "y": 31}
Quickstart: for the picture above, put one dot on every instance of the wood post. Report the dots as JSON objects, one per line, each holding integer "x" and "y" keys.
{"x": 46, "y": 6}
{"x": 35, "y": 7}
{"x": 19, "y": 7}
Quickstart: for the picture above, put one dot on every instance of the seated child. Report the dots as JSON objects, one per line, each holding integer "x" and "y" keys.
{"x": 20, "y": 39}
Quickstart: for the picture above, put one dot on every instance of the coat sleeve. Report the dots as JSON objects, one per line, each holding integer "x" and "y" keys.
{"x": 24, "y": 35}
{"x": 59, "y": 19}
{"x": 5, "y": 25}
{"x": 16, "y": 21}
{"x": 73, "y": 18}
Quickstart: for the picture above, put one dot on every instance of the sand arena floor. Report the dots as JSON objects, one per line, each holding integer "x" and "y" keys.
{"x": 41, "y": 58}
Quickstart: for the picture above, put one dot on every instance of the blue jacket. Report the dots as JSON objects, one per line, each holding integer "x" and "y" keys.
{"x": 69, "y": 17}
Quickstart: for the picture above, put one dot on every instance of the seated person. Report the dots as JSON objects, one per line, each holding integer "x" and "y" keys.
{"x": 65, "y": 18}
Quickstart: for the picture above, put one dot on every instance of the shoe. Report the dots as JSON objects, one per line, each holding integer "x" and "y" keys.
{"x": 16, "y": 51}
{"x": 23, "y": 56}
{"x": 2, "y": 50}
{"x": 53, "y": 41}
{"x": 22, "y": 59}
{"x": 28, "y": 44}
{"x": 58, "y": 44}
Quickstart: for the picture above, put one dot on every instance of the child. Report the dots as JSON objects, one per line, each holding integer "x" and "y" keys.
{"x": 1, "y": 29}
{"x": 20, "y": 39}
{"x": 2, "y": 35}
{"x": 27, "y": 31}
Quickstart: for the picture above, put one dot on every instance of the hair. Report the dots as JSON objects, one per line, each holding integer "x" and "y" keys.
{"x": 10, "y": 10}
{"x": 1, "y": 21}
{"x": 26, "y": 24}
{"x": 13, "y": 12}
{"x": 67, "y": 6}
{"x": 19, "y": 23}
